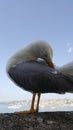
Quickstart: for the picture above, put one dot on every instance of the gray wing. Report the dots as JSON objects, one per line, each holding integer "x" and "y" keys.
{"x": 38, "y": 78}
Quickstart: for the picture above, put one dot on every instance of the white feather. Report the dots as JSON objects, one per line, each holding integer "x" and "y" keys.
{"x": 31, "y": 52}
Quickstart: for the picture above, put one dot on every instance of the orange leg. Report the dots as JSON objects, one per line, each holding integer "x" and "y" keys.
{"x": 31, "y": 108}
{"x": 32, "y": 105}
{"x": 38, "y": 100}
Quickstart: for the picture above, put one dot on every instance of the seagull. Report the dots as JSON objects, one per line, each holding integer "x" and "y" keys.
{"x": 37, "y": 76}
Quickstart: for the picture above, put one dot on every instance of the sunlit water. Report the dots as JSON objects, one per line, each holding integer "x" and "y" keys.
{"x": 5, "y": 108}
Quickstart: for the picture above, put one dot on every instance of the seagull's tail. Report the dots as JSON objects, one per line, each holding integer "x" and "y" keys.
{"x": 66, "y": 69}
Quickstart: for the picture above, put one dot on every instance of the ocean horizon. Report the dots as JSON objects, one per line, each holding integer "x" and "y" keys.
{"x": 45, "y": 105}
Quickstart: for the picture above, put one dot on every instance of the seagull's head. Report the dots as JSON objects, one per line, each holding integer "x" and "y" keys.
{"x": 42, "y": 49}
{"x": 33, "y": 51}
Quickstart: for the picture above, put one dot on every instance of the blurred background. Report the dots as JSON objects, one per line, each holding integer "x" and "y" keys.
{"x": 22, "y": 22}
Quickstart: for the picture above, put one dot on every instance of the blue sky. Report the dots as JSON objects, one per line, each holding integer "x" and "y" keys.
{"x": 24, "y": 21}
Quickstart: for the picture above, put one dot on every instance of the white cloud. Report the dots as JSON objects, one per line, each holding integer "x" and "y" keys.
{"x": 70, "y": 49}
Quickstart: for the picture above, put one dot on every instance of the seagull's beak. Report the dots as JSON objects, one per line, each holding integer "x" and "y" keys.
{"x": 50, "y": 64}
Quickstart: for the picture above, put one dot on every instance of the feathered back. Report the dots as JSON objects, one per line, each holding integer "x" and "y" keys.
{"x": 67, "y": 69}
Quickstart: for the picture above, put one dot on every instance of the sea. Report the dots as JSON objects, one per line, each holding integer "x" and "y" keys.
{"x": 11, "y": 108}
